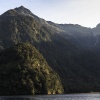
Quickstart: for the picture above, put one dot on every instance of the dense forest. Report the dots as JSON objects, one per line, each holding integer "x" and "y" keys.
{"x": 70, "y": 50}
{"x": 24, "y": 71}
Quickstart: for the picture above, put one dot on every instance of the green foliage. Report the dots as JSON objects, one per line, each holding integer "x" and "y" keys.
{"x": 18, "y": 28}
{"x": 66, "y": 47}
{"x": 24, "y": 71}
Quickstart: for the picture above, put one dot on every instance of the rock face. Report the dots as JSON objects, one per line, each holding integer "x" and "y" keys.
{"x": 24, "y": 71}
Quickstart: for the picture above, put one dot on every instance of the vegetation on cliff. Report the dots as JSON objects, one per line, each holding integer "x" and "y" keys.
{"x": 24, "y": 71}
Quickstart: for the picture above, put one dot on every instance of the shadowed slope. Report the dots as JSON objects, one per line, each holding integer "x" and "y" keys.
{"x": 24, "y": 71}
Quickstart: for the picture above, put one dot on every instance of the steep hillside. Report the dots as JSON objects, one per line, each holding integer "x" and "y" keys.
{"x": 82, "y": 36}
{"x": 69, "y": 49}
{"x": 16, "y": 28}
{"x": 24, "y": 71}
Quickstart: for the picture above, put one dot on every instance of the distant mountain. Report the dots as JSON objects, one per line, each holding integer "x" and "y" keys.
{"x": 71, "y": 50}
{"x": 26, "y": 72}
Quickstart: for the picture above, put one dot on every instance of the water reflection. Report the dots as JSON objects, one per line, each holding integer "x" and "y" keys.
{"x": 55, "y": 97}
{"x": 18, "y": 99}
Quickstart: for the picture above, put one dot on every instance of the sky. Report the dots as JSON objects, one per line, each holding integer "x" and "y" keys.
{"x": 82, "y": 12}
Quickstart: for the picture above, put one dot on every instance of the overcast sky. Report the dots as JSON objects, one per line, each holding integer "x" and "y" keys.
{"x": 83, "y": 12}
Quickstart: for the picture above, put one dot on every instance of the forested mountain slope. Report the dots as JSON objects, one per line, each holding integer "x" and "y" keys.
{"x": 71, "y": 50}
{"x": 24, "y": 71}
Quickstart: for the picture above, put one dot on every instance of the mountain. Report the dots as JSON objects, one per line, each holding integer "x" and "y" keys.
{"x": 81, "y": 36}
{"x": 26, "y": 72}
{"x": 71, "y": 50}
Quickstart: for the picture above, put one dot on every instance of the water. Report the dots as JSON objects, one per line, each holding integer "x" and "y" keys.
{"x": 55, "y": 97}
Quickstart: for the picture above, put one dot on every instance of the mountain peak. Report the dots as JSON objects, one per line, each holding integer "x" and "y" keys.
{"x": 21, "y": 7}
{"x": 18, "y": 10}
{"x": 23, "y": 10}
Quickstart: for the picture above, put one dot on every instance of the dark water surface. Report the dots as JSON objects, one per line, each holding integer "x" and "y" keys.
{"x": 54, "y": 97}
